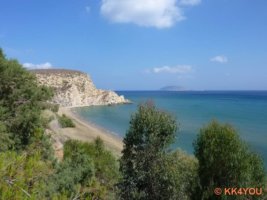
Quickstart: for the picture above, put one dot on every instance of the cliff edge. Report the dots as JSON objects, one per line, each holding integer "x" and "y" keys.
{"x": 75, "y": 89}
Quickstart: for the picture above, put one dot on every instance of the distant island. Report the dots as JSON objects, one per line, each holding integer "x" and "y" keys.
{"x": 173, "y": 88}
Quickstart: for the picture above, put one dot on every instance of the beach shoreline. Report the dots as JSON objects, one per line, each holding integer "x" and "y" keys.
{"x": 87, "y": 131}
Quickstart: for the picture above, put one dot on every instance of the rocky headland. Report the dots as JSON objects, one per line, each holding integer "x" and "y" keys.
{"x": 76, "y": 89}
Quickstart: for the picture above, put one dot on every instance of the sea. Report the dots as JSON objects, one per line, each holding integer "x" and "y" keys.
{"x": 245, "y": 110}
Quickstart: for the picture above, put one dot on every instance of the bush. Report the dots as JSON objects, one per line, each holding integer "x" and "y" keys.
{"x": 23, "y": 176}
{"x": 65, "y": 122}
{"x": 50, "y": 106}
{"x": 41, "y": 143}
{"x": 73, "y": 174}
{"x": 182, "y": 179}
{"x": 105, "y": 165}
{"x": 20, "y": 102}
{"x": 226, "y": 161}
{"x": 145, "y": 148}
{"x": 5, "y": 139}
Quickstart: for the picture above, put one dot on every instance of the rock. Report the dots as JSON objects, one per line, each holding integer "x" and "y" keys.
{"x": 57, "y": 143}
{"x": 76, "y": 89}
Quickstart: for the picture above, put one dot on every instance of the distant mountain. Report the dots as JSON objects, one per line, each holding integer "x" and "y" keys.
{"x": 173, "y": 88}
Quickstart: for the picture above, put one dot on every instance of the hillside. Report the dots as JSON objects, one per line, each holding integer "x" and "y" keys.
{"x": 75, "y": 89}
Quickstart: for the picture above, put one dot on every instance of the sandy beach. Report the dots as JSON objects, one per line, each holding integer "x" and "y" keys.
{"x": 85, "y": 131}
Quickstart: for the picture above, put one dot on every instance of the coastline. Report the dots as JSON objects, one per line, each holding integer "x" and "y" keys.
{"x": 86, "y": 131}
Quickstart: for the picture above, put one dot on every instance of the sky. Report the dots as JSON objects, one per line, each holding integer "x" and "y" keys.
{"x": 142, "y": 44}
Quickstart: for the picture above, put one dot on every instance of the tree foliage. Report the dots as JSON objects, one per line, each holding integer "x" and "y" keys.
{"x": 145, "y": 146}
{"x": 149, "y": 169}
{"x": 181, "y": 170}
{"x": 105, "y": 166}
{"x": 65, "y": 122}
{"x": 73, "y": 174}
{"x": 225, "y": 161}
{"x": 20, "y": 99}
{"x": 22, "y": 176}
{"x": 5, "y": 138}
{"x": 87, "y": 169}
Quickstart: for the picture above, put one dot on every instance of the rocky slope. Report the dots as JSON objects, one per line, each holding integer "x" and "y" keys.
{"x": 76, "y": 89}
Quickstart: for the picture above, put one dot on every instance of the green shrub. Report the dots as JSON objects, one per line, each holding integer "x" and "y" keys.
{"x": 65, "y": 122}
{"x": 225, "y": 161}
{"x": 55, "y": 108}
{"x": 73, "y": 174}
{"x": 5, "y": 139}
{"x": 105, "y": 165}
{"x": 20, "y": 102}
{"x": 41, "y": 143}
{"x": 47, "y": 118}
{"x": 23, "y": 176}
{"x": 181, "y": 175}
{"x": 50, "y": 106}
{"x": 145, "y": 149}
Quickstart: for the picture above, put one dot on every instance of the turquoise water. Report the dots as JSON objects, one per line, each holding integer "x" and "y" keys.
{"x": 246, "y": 110}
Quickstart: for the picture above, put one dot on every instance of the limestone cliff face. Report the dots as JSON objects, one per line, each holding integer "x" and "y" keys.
{"x": 76, "y": 89}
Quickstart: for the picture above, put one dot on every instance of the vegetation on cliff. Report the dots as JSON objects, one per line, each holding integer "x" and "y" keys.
{"x": 20, "y": 100}
{"x": 65, "y": 121}
{"x": 28, "y": 168}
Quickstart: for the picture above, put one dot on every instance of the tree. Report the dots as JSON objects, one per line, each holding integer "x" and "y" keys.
{"x": 23, "y": 176}
{"x": 145, "y": 147}
{"x": 180, "y": 177}
{"x": 5, "y": 140}
{"x": 87, "y": 169}
{"x": 20, "y": 101}
{"x": 225, "y": 161}
{"x": 73, "y": 174}
{"x": 105, "y": 165}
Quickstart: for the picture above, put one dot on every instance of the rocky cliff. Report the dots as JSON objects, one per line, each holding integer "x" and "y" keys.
{"x": 76, "y": 89}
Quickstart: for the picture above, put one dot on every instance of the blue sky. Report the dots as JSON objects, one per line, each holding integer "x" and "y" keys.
{"x": 143, "y": 44}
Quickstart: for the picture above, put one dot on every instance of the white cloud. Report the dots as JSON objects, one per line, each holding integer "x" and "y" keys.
{"x": 88, "y": 9}
{"x": 46, "y": 65}
{"x": 219, "y": 59}
{"x": 180, "y": 69}
{"x": 149, "y": 13}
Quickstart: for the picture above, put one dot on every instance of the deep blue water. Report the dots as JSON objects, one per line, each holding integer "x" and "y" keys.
{"x": 245, "y": 110}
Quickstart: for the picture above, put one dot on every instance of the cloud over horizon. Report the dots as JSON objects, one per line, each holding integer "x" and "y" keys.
{"x": 219, "y": 59}
{"x": 149, "y": 13}
{"x": 46, "y": 65}
{"x": 180, "y": 69}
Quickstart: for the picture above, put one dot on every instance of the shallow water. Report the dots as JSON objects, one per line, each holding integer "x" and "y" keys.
{"x": 245, "y": 110}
